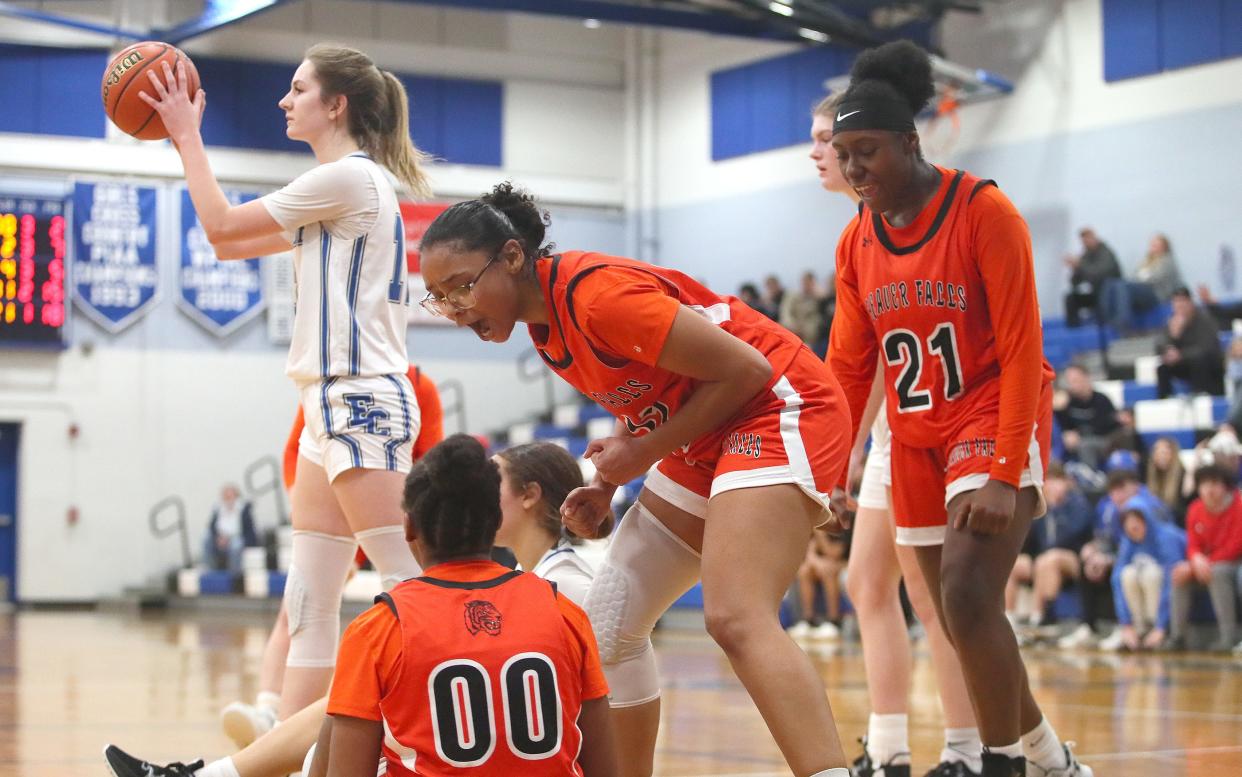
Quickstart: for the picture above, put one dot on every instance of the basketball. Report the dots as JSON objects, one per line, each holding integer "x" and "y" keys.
{"x": 126, "y": 76}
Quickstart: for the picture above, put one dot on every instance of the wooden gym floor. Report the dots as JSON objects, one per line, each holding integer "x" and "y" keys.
{"x": 72, "y": 681}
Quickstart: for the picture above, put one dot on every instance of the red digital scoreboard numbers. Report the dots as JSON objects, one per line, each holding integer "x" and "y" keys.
{"x": 32, "y": 270}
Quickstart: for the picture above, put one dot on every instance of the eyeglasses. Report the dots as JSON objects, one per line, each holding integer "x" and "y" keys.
{"x": 460, "y": 298}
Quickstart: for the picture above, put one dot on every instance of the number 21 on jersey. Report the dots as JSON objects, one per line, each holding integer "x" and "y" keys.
{"x": 903, "y": 348}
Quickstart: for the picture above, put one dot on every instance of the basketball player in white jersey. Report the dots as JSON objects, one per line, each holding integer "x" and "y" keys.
{"x": 348, "y": 354}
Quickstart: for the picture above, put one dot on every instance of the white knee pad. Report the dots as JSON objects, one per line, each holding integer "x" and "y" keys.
{"x": 313, "y": 596}
{"x": 390, "y": 554}
{"x": 646, "y": 569}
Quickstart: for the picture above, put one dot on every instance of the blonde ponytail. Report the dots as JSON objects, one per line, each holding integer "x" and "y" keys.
{"x": 379, "y": 111}
{"x": 395, "y": 149}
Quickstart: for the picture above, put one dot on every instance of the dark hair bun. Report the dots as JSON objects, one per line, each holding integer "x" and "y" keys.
{"x": 458, "y": 467}
{"x": 900, "y": 64}
{"x": 530, "y": 221}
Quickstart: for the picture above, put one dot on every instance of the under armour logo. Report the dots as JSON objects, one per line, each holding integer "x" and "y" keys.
{"x": 866, "y": 242}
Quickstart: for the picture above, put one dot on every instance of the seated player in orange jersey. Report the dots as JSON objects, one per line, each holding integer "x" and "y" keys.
{"x": 471, "y": 665}
{"x": 534, "y": 480}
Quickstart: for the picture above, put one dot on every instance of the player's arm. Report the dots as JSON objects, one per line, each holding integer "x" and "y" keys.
{"x": 253, "y": 247}
{"x": 355, "y": 746}
{"x": 729, "y": 371}
{"x": 367, "y": 661}
{"x": 853, "y": 353}
{"x": 182, "y": 113}
{"x": 1003, "y": 251}
{"x": 598, "y": 755}
{"x": 869, "y": 414}
{"x": 632, "y": 314}
{"x": 323, "y": 749}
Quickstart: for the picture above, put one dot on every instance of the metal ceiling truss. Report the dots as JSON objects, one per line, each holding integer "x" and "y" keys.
{"x": 857, "y": 23}
{"x": 216, "y": 14}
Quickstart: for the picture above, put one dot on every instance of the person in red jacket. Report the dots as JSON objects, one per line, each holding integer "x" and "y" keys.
{"x": 244, "y": 723}
{"x": 1213, "y": 556}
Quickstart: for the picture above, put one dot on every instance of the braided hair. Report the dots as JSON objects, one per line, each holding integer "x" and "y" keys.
{"x": 452, "y": 497}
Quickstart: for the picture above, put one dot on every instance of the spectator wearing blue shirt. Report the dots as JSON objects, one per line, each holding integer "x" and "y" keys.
{"x": 1142, "y": 576}
{"x": 1050, "y": 558}
{"x": 1100, "y": 552}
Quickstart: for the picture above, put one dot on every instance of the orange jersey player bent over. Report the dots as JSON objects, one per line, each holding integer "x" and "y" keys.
{"x": 741, "y": 429}
{"x": 604, "y": 306}
{"x": 935, "y": 277}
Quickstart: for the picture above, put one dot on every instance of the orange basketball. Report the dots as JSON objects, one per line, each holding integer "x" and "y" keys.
{"x": 126, "y": 76}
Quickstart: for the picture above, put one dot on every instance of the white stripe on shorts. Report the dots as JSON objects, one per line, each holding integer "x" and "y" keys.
{"x": 795, "y": 451}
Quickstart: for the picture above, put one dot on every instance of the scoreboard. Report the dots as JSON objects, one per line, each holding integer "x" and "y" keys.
{"x": 32, "y": 271}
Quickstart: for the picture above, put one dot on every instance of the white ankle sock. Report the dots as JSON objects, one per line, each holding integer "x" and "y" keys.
{"x": 963, "y": 744}
{"x": 888, "y": 739}
{"x": 837, "y": 772}
{"x": 1009, "y": 751}
{"x": 1042, "y": 746}
{"x": 268, "y": 700}
{"x": 222, "y": 768}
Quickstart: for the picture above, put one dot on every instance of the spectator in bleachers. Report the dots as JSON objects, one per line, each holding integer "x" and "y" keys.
{"x": 1100, "y": 552}
{"x": 1152, "y": 284}
{"x": 749, "y": 294}
{"x": 1050, "y": 558}
{"x": 1224, "y": 313}
{"x": 801, "y": 313}
{"x": 1089, "y": 270}
{"x": 1166, "y": 477}
{"x": 1086, "y": 418}
{"x": 230, "y": 530}
{"x": 1150, "y": 547}
{"x": 1126, "y": 437}
{"x": 1213, "y": 555}
{"x": 821, "y": 569}
{"x": 827, "y": 309}
{"x": 773, "y": 296}
{"x": 1233, "y": 381}
{"x": 1189, "y": 350}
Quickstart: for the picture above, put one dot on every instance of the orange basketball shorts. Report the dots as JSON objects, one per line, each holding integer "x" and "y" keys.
{"x": 925, "y": 480}
{"x": 799, "y": 435}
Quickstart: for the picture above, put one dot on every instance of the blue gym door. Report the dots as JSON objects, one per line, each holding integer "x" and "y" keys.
{"x": 9, "y": 437}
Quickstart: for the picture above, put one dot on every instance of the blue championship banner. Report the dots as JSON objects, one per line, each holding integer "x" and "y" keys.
{"x": 115, "y": 275}
{"x": 219, "y": 295}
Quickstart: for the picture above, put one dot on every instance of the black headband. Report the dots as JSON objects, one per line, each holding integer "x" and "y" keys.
{"x": 873, "y": 113}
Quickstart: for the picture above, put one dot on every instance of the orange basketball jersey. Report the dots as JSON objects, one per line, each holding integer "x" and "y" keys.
{"x": 944, "y": 302}
{"x": 609, "y": 318}
{"x": 491, "y": 674}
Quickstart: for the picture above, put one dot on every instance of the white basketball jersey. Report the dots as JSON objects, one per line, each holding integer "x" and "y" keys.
{"x": 351, "y": 299}
{"x": 571, "y": 573}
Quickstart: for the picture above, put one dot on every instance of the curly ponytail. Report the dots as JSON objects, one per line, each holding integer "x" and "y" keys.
{"x": 486, "y": 224}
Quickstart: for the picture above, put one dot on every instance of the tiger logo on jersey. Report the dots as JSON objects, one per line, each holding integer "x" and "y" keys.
{"x": 482, "y": 616}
